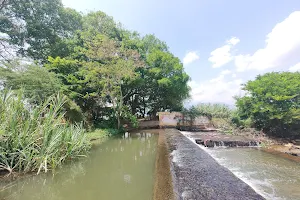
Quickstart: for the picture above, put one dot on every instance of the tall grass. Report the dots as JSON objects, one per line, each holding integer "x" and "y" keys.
{"x": 215, "y": 110}
{"x": 37, "y": 138}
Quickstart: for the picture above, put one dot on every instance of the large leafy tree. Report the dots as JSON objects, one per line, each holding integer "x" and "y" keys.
{"x": 38, "y": 28}
{"x": 272, "y": 101}
{"x": 112, "y": 65}
{"x": 162, "y": 84}
{"x": 96, "y": 60}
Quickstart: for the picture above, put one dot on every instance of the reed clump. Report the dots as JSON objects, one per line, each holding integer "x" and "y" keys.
{"x": 37, "y": 138}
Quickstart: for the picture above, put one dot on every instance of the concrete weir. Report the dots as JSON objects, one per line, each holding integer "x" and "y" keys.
{"x": 196, "y": 175}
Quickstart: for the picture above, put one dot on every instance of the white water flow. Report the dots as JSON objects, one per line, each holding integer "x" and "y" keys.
{"x": 274, "y": 177}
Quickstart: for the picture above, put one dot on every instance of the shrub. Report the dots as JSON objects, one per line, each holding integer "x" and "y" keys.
{"x": 272, "y": 102}
{"x": 37, "y": 138}
{"x": 215, "y": 110}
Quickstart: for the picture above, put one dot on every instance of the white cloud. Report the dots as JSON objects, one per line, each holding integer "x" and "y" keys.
{"x": 295, "y": 68}
{"x": 190, "y": 57}
{"x": 234, "y": 40}
{"x": 215, "y": 90}
{"x": 281, "y": 50}
{"x": 222, "y": 55}
{"x": 225, "y": 72}
{"x": 233, "y": 75}
{"x": 217, "y": 79}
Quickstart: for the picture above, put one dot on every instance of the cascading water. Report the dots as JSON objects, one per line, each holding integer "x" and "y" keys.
{"x": 222, "y": 144}
{"x": 272, "y": 176}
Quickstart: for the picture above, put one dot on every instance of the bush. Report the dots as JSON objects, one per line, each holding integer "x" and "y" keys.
{"x": 215, "y": 110}
{"x": 37, "y": 138}
{"x": 190, "y": 115}
{"x": 240, "y": 123}
{"x": 272, "y": 103}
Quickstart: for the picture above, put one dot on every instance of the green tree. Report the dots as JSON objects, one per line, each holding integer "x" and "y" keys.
{"x": 38, "y": 28}
{"x": 113, "y": 65}
{"x": 99, "y": 23}
{"x": 162, "y": 84}
{"x": 167, "y": 82}
{"x": 272, "y": 102}
{"x": 190, "y": 115}
{"x": 80, "y": 85}
{"x": 37, "y": 82}
{"x": 37, "y": 85}
{"x": 95, "y": 59}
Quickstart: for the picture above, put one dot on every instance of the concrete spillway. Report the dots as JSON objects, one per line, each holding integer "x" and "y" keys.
{"x": 196, "y": 175}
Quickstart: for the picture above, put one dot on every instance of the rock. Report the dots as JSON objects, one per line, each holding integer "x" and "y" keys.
{"x": 289, "y": 145}
{"x": 220, "y": 143}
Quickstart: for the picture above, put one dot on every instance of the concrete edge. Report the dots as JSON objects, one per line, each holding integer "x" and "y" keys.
{"x": 163, "y": 184}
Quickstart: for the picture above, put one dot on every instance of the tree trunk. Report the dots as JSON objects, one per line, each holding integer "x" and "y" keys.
{"x": 119, "y": 121}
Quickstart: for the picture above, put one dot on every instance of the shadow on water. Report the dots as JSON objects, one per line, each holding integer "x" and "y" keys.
{"x": 120, "y": 168}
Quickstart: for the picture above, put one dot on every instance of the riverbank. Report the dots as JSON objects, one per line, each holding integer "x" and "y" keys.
{"x": 94, "y": 137}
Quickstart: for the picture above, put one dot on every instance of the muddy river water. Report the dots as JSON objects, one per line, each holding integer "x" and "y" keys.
{"x": 120, "y": 168}
{"x": 124, "y": 168}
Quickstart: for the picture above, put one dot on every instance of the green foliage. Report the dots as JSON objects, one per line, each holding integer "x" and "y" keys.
{"x": 36, "y": 138}
{"x": 100, "y": 134}
{"x": 99, "y": 23}
{"x": 223, "y": 125}
{"x": 191, "y": 114}
{"x": 108, "y": 73}
{"x": 240, "y": 123}
{"x": 39, "y": 28}
{"x": 272, "y": 102}
{"x": 222, "y": 116}
{"x": 215, "y": 110}
{"x": 129, "y": 118}
{"x": 37, "y": 83}
{"x": 114, "y": 64}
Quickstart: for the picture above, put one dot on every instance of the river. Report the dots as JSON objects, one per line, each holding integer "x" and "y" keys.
{"x": 272, "y": 176}
{"x": 124, "y": 167}
{"x": 120, "y": 168}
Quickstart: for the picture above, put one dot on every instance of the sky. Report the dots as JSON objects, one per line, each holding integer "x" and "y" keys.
{"x": 221, "y": 43}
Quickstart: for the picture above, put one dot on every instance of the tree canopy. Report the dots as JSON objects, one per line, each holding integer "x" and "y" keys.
{"x": 110, "y": 73}
{"x": 272, "y": 102}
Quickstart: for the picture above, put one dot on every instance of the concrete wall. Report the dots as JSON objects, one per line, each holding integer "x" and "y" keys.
{"x": 173, "y": 119}
{"x": 169, "y": 119}
{"x": 148, "y": 124}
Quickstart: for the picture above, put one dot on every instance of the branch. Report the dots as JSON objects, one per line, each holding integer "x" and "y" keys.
{"x": 5, "y": 51}
{"x": 3, "y": 3}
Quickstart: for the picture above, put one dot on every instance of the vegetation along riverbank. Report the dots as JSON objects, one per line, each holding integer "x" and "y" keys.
{"x": 269, "y": 112}
{"x": 67, "y": 78}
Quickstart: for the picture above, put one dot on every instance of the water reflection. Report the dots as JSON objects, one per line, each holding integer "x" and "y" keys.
{"x": 120, "y": 168}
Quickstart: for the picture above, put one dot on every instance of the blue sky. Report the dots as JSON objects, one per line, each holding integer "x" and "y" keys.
{"x": 222, "y": 43}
